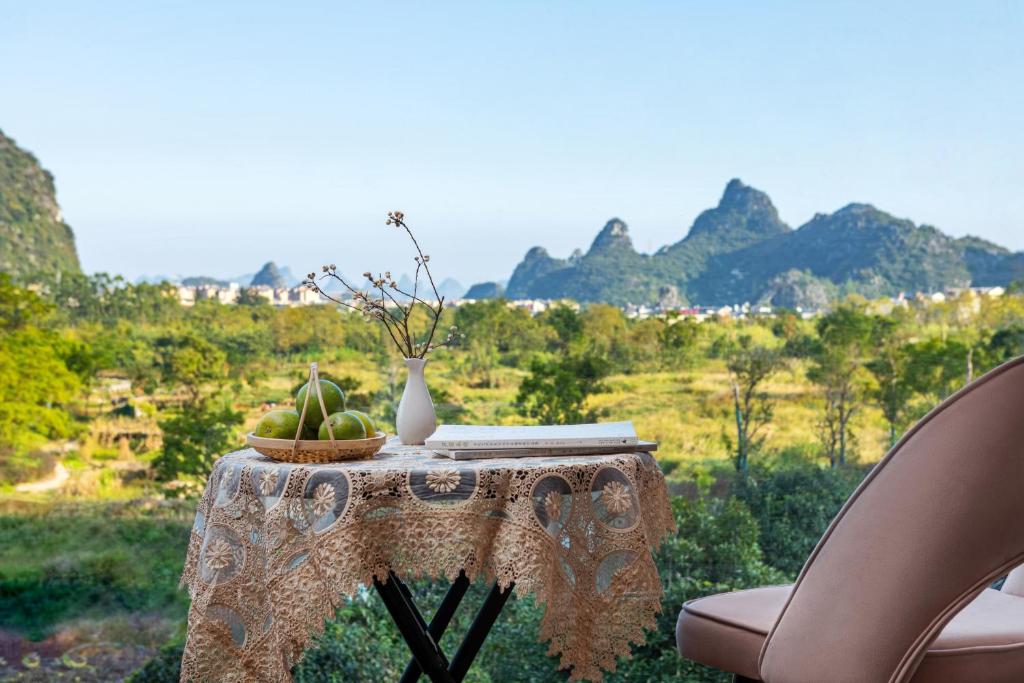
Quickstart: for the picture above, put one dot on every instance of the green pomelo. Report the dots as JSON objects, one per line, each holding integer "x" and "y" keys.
{"x": 368, "y": 423}
{"x": 345, "y": 427}
{"x": 334, "y": 401}
{"x": 278, "y": 424}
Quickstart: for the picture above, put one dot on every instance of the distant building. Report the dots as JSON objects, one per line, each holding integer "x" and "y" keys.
{"x": 229, "y": 294}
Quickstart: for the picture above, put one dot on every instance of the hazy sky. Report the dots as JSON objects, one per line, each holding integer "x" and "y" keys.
{"x": 207, "y": 138}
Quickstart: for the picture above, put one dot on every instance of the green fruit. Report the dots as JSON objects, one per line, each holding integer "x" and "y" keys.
{"x": 371, "y": 428}
{"x": 278, "y": 424}
{"x": 308, "y": 433}
{"x": 345, "y": 427}
{"x": 334, "y": 401}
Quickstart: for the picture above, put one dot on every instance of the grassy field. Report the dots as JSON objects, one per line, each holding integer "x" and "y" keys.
{"x": 88, "y": 590}
{"x": 688, "y": 412}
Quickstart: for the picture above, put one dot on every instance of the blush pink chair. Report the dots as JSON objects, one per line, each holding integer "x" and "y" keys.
{"x": 897, "y": 589}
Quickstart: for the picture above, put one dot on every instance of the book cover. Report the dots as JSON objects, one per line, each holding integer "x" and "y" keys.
{"x": 469, "y": 437}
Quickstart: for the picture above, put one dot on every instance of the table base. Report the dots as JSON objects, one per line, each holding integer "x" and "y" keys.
{"x": 422, "y": 638}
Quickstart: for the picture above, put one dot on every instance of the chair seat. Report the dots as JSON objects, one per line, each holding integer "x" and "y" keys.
{"x": 984, "y": 643}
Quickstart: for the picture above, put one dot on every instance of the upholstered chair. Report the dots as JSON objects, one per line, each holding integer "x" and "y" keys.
{"x": 898, "y": 588}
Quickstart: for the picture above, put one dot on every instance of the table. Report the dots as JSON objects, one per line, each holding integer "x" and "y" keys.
{"x": 276, "y": 547}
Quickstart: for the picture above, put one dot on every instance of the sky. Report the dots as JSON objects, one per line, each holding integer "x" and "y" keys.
{"x": 193, "y": 138}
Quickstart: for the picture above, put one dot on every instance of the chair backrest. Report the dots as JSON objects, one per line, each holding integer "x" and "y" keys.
{"x": 933, "y": 524}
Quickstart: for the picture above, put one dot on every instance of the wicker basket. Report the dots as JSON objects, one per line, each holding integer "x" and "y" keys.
{"x": 315, "y": 450}
{"x": 311, "y": 451}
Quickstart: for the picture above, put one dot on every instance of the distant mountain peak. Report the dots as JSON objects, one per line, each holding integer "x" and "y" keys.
{"x": 269, "y": 276}
{"x": 738, "y": 194}
{"x": 854, "y": 208}
{"x": 615, "y": 233}
{"x": 485, "y": 290}
{"x": 741, "y": 210}
{"x": 735, "y": 190}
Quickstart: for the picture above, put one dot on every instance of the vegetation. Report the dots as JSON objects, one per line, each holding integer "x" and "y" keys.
{"x": 765, "y": 426}
{"x": 34, "y": 240}
{"x": 750, "y": 367}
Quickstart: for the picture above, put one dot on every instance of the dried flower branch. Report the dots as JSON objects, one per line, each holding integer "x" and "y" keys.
{"x": 385, "y": 306}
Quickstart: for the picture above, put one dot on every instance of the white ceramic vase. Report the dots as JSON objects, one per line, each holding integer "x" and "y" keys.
{"x": 416, "y": 419}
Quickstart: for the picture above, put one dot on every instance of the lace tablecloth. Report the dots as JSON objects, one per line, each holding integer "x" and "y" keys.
{"x": 276, "y": 547}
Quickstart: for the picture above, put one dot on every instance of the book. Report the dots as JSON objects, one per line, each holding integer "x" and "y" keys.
{"x": 476, "y": 437}
{"x": 486, "y": 453}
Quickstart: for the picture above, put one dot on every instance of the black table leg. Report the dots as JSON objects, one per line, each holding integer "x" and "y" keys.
{"x": 422, "y": 638}
{"x": 479, "y": 629}
{"x": 424, "y": 648}
{"x": 439, "y": 623}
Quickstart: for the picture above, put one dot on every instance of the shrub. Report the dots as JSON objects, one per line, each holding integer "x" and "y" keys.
{"x": 793, "y": 505}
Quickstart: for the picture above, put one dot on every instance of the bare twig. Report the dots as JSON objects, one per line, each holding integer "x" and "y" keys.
{"x": 399, "y": 326}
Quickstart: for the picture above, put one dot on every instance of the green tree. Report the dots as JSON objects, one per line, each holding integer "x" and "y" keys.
{"x": 750, "y": 366}
{"x": 1007, "y": 343}
{"x": 103, "y": 298}
{"x": 41, "y": 371}
{"x": 195, "y": 438}
{"x": 678, "y": 340}
{"x": 938, "y": 367}
{"x": 566, "y": 323}
{"x": 837, "y": 366}
{"x": 793, "y": 505}
{"x": 509, "y": 329}
{"x": 481, "y": 360}
{"x": 20, "y": 307}
{"x": 556, "y": 391}
{"x": 893, "y": 389}
{"x": 191, "y": 362}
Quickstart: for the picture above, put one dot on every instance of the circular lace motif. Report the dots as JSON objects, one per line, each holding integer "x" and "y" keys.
{"x": 268, "y": 481}
{"x": 227, "y": 488}
{"x": 325, "y": 498}
{"x": 222, "y": 555}
{"x": 610, "y": 566}
{"x": 445, "y": 483}
{"x": 552, "y": 502}
{"x": 613, "y": 499}
{"x": 230, "y": 618}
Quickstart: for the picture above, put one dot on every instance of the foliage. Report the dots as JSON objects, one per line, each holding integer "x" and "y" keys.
{"x": 678, "y": 340}
{"x": 90, "y": 560}
{"x": 105, "y": 299}
{"x": 565, "y": 322}
{"x": 195, "y": 438}
{"x": 164, "y": 667}
{"x": 749, "y": 367}
{"x": 793, "y": 505}
{"x": 191, "y": 362}
{"x": 34, "y": 240}
{"x": 715, "y": 550}
{"x": 557, "y": 390}
{"x": 837, "y": 366}
{"x": 894, "y": 387}
{"x": 41, "y": 372}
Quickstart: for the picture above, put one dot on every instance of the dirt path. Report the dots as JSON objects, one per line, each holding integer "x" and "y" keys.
{"x": 57, "y": 478}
